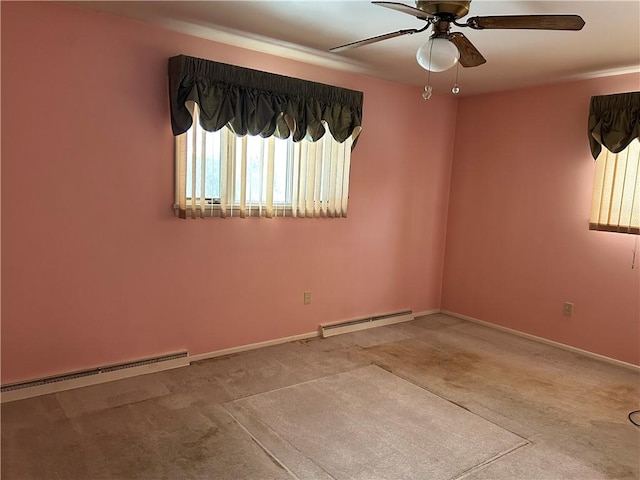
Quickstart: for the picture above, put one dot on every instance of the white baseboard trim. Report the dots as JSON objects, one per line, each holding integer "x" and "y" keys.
{"x": 70, "y": 384}
{"x": 251, "y": 346}
{"x": 426, "y": 312}
{"x": 88, "y": 381}
{"x": 562, "y": 346}
{"x": 293, "y": 338}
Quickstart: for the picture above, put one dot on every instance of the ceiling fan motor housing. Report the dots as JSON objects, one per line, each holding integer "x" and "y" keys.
{"x": 449, "y": 11}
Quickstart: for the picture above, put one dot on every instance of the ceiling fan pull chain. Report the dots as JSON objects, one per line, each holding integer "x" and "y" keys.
{"x": 426, "y": 95}
{"x": 456, "y": 89}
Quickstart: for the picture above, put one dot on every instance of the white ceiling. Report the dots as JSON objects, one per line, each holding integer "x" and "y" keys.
{"x": 305, "y": 29}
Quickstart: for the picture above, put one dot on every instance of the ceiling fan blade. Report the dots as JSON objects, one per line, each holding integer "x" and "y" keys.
{"x": 368, "y": 41}
{"x": 533, "y": 22}
{"x": 401, "y": 7}
{"x": 469, "y": 55}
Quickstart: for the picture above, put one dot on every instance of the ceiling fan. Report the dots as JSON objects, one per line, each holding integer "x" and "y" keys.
{"x": 445, "y": 48}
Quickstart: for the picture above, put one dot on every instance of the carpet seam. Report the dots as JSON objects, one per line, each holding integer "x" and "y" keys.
{"x": 263, "y": 447}
{"x": 490, "y": 461}
{"x": 301, "y": 383}
{"x": 259, "y": 443}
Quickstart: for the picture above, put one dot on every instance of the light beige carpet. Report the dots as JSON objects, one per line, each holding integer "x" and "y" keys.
{"x": 370, "y": 424}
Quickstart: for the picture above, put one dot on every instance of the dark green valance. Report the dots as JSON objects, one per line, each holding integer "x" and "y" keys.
{"x": 259, "y": 103}
{"x": 614, "y": 121}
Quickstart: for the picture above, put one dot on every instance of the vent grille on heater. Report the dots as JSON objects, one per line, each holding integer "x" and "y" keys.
{"x": 93, "y": 371}
{"x": 330, "y": 329}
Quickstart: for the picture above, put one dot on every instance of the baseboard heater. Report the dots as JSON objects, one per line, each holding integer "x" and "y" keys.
{"x": 66, "y": 377}
{"x": 330, "y": 329}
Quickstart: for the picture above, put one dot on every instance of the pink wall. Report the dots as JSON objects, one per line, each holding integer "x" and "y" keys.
{"x": 95, "y": 267}
{"x": 518, "y": 244}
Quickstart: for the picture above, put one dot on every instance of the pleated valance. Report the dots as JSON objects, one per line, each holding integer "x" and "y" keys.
{"x": 259, "y": 103}
{"x": 614, "y": 121}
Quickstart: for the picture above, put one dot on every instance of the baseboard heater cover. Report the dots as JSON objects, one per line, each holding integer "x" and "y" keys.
{"x": 90, "y": 372}
{"x": 330, "y": 329}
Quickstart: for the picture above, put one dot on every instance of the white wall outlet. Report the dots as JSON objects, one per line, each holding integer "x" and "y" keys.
{"x": 567, "y": 310}
{"x": 307, "y": 298}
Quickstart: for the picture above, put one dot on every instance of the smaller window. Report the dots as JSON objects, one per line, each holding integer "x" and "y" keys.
{"x": 219, "y": 174}
{"x": 616, "y": 191}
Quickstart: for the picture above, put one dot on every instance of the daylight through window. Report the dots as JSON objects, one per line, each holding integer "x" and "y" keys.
{"x": 219, "y": 174}
{"x": 616, "y": 192}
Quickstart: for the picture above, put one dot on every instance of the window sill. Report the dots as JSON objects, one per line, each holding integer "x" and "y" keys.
{"x": 215, "y": 211}
{"x": 633, "y": 230}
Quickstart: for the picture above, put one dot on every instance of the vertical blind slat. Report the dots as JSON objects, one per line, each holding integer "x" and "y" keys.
{"x": 243, "y": 176}
{"x": 333, "y": 173}
{"x": 271, "y": 152}
{"x": 194, "y": 153}
{"x": 203, "y": 173}
{"x": 181, "y": 175}
{"x": 302, "y": 182}
{"x": 317, "y": 170}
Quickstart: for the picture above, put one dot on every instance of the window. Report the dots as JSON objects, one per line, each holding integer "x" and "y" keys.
{"x": 219, "y": 174}
{"x": 616, "y": 192}
{"x": 243, "y": 169}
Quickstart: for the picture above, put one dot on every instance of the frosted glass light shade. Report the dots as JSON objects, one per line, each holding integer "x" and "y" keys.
{"x": 442, "y": 53}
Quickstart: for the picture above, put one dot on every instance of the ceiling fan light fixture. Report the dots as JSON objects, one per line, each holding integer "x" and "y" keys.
{"x": 437, "y": 55}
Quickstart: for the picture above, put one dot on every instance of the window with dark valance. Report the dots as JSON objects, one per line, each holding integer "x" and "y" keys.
{"x": 275, "y": 158}
{"x": 614, "y": 121}
{"x": 259, "y": 103}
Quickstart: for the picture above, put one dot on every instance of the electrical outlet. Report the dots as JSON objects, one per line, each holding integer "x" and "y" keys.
{"x": 568, "y": 309}
{"x": 307, "y": 298}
